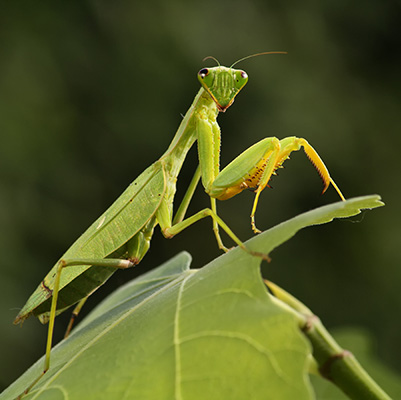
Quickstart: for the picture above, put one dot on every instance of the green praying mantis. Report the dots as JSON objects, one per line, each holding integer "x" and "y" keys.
{"x": 120, "y": 238}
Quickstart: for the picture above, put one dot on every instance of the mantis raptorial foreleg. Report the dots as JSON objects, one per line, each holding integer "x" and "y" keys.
{"x": 254, "y": 168}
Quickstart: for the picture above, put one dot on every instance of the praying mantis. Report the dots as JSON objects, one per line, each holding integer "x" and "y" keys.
{"x": 120, "y": 238}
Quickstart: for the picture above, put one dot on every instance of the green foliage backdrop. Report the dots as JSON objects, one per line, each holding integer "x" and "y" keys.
{"x": 91, "y": 93}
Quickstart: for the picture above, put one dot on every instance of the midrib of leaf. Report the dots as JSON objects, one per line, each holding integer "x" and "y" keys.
{"x": 177, "y": 342}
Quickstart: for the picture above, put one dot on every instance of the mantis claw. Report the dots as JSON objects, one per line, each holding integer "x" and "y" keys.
{"x": 225, "y": 249}
{"x": 261, "y": 255}
{"x": 254, "y": 228}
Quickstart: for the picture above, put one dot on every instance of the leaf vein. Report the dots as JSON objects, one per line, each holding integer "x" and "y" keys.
{"x": 243, "y": 337}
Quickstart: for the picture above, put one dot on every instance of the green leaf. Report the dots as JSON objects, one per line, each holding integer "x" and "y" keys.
{"x": 272, "y": 238}
{"x": 213, "y": 333}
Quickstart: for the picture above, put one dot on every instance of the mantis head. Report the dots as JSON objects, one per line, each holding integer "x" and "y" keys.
{"x": 223, "y": 84}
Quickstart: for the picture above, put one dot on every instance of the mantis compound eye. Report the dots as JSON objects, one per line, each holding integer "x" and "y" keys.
{"x": 244, "y": 74}
{"x": 203, "y": 72}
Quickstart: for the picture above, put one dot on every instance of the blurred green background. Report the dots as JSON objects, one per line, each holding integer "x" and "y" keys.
{"x": 92, "y": 92}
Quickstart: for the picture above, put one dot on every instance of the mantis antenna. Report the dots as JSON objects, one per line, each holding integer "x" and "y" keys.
{"x": 258, "y": 54}
{"x": 211, "y": 57}
{"x": 245, "y": 58}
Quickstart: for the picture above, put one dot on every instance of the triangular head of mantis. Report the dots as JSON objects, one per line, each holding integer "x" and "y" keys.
{"x": 223, "y": 84}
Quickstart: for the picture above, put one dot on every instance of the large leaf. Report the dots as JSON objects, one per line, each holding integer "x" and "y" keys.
{"x": 203, "y": 334}
{"x": 213, "y": 333}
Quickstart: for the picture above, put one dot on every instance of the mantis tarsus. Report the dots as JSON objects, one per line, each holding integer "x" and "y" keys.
{"x": 120, "y": 237}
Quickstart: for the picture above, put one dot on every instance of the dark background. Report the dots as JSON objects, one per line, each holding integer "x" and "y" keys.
{"x": 92, "y": 92}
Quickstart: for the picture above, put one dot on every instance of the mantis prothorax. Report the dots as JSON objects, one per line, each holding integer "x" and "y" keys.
{"x": 121, "y": 237}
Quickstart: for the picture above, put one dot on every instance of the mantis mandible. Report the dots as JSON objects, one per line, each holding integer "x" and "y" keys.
{"x": 120, "y": 237}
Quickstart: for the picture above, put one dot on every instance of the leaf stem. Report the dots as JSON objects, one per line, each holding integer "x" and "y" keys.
{"x": 334, "y": 363}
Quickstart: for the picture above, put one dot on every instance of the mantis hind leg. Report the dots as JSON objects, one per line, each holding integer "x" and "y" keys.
{"x": 107, "y": 262}
{"x": 136, "y": 249}
{"x": 74, "y": 316}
